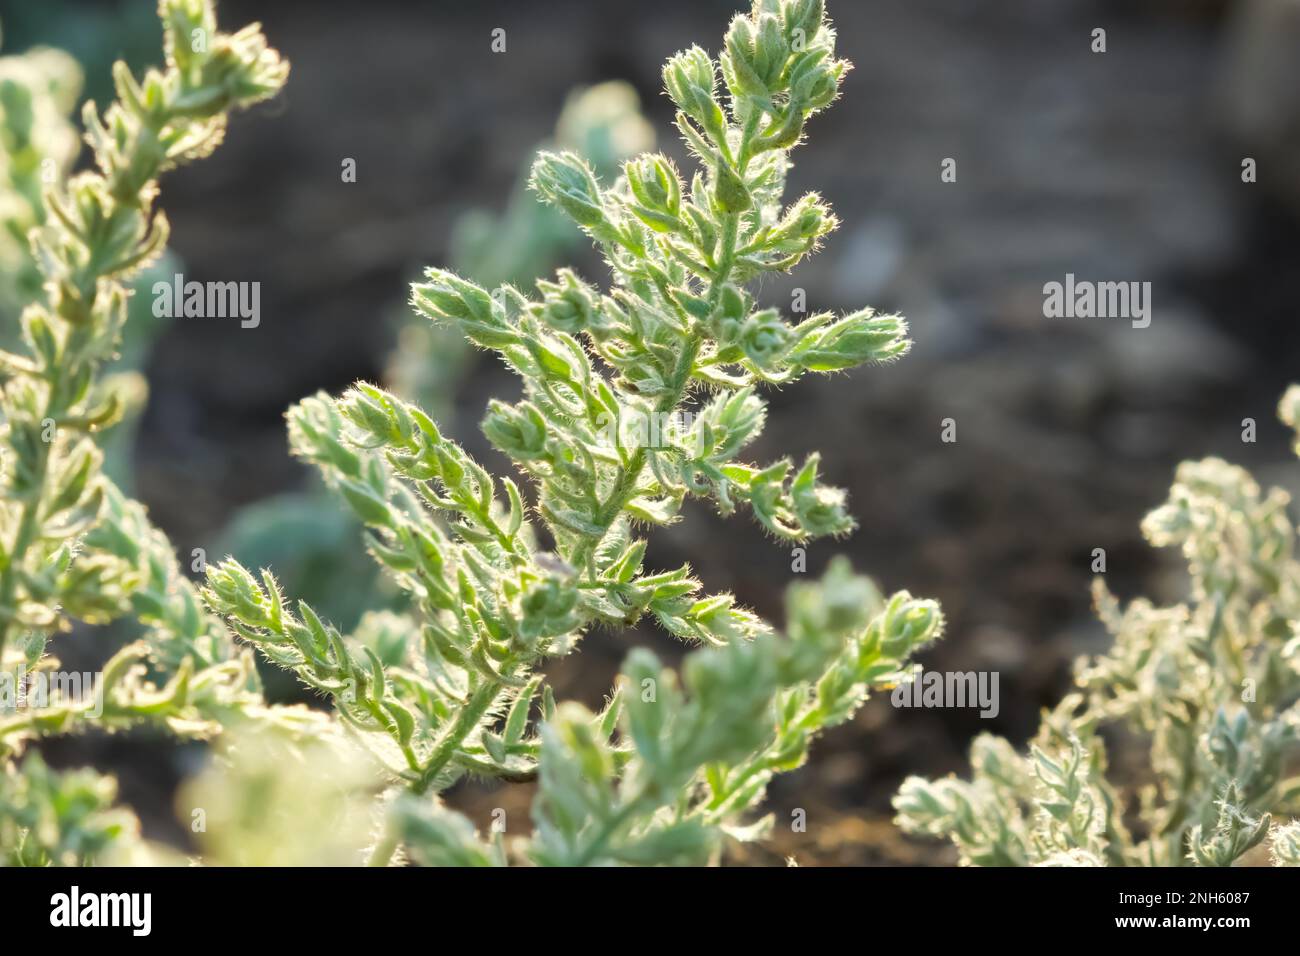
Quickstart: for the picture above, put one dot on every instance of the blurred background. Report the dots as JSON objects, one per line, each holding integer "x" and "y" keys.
{"x": 1123, "y": 166}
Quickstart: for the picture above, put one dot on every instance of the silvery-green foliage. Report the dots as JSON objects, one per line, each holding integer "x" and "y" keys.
{"x": 1284, "y": 843}
{"x": 72, "y": 547}
{"x": 38, "y": 146}
{"x": 634, "y": 399}
{"x": 667, "y": 770}
{"x": 1211, "y": 684}
{"x": 51, "y": 819}
{"x": 38, "y": 90}
{"x": 691, "y": 760}
{"x": 100, "y": 229}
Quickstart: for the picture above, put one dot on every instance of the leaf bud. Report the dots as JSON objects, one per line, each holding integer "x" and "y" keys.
{"x": 765, "y": 338}
{"x": 658, "y": 191}
{"x": 566, "y": 181}
{"x": 819, "y": 508}
{"x": 729, "y": 190}
{"x": 690, "y": 79}
{"x": 517, "y": 431}
{"x": 907, "y": 624}
{"x": 569, "y": 305}
{"x": 447, "y": 296}
{"x": 861, "y": 337}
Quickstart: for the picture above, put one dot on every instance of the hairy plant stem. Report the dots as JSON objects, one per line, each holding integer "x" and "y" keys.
{"x": 466, "y": 721}
{"x": 443, "y": 752}
{"x": 624, "y": 489}
{"x": 727, "y": 260}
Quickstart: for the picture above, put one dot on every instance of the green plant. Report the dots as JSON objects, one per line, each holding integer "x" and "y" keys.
{"x": 634, "y": 400}
{"x": 72, "y": 547}
{"x": 102, "y": 229}
{"x": 38, "y": 146}
{"x": 59, "y": 819}
{"x": 1211, "y": 685}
